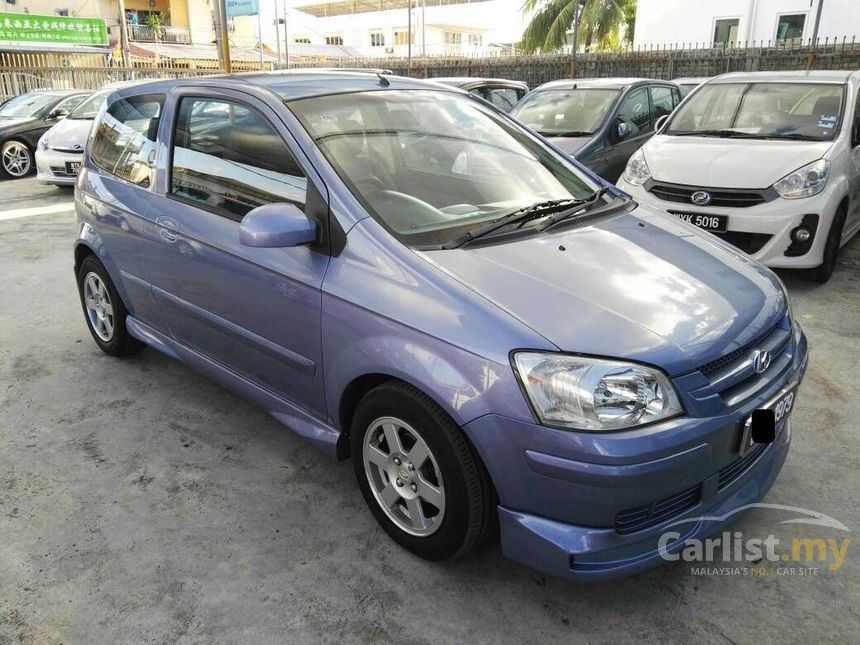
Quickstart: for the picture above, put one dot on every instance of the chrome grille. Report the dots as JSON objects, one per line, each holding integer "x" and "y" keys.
{"x": 739, "y": 354}
{"x": 719, "y": 196}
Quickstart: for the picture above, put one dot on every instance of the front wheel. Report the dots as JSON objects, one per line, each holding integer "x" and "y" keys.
{"x": 824, "y": 271}
{"x": 419, "y": 476}
{"x": 16, "y": 159}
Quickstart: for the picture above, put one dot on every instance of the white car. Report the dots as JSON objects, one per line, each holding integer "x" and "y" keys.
{"x": 769, "y": 161}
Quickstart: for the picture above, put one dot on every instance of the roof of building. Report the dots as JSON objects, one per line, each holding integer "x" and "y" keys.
{"x": 327, "y": 8}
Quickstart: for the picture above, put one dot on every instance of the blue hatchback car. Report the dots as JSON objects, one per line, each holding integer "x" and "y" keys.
{"x": 406, "y": 276}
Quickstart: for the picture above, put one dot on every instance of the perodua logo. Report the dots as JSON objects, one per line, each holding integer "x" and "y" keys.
{"x": 760, "y": 360}
{"x": 701, "y": 198}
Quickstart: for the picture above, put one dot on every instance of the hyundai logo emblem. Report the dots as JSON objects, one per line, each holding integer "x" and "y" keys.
{"x": 701, "y": 198}
{"x": 760, "y": 360}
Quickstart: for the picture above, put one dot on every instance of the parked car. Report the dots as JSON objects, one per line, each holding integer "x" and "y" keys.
{"x": 502, "y": 93}
{"x": 688, "y": 84}
{"x": 493, "y": 335}
{"x": 59, "y": 151}
{"x": 769, "y": 161}
{"x": 24, "y": 119}
{"x": 600, "y": 121}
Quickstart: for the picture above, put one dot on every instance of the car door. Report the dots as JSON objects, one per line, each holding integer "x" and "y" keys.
{"x": 634, "y": 110}
{"x": 256, "y": 311}
{"x": 854, "y": 167}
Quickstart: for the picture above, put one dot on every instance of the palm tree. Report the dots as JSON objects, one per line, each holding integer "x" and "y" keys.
{"x": 599, "y": 22}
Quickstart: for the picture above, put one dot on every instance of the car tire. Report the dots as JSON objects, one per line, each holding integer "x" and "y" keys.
{"x": 418, "y": 474}
{"x": 824, "y": 271}
{"x": 16, "y": 159}
{"x": 104, "y": 311}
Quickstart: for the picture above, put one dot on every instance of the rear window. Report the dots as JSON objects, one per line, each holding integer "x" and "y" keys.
{"x": 124, "y": 141}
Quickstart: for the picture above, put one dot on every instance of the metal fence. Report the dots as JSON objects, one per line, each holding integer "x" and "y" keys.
{"x": 664, "y": 61}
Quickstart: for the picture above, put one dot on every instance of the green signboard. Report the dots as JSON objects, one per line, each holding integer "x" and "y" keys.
{"x": 57, "y": 30}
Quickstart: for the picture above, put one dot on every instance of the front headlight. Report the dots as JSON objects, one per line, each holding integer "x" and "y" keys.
{"x": 43, "y": 142}
{"x": 804, "y": 182}
{"x": 594, "y": 394}
{"x": 637, "y": 171}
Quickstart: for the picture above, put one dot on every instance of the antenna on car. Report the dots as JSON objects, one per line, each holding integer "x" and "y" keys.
{"x": 384, "y": 82}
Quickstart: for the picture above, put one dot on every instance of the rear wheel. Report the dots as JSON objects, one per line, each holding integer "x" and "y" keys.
{"x": 16, "y": 159}
{"x": 824, "y": 271}
{"x": 104, "y": 311}
{"x": 418, "y": 474}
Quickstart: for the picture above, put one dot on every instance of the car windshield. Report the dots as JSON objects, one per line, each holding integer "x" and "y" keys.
{"x": 27, "y": 105}
{"x": 430, "y": 164}
{"x": 762, "y": 111}
{"x": 89, "y": 108}
{"x": 566, "y": 111}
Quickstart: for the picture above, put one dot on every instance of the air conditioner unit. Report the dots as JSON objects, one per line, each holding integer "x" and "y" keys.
{"x": 389, "y": 50}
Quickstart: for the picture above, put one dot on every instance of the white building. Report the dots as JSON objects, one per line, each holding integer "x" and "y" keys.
{"x": 715, "y": 22}
{"x": 359, "y": 27}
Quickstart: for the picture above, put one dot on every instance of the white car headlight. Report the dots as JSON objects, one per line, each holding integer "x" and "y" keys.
{"x": 637, "y": 171}
{"x": 43, "y": 142}
{"x": 594, "y": 394}
{"x": 804, "y": 182}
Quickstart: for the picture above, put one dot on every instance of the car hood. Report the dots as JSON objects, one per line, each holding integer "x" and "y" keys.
{"x": 570, "y": 145}
{"x": 727, "y": 163}
{"x": 641, "y": 286}
{"x": 69, "y": 133}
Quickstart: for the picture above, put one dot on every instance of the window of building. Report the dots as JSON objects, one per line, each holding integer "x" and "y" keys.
{"x": 302, "y": 40}
{"x": 377, "y": 39}
{"x": 402, "y": 38}
{"x": 476, "y": 40}
{"x": 453, "y": 38}
{"x": 634, "y": 111}
{"x": 333, "y": 39}
{"x": 229, "y": 159}
{"x": 124, "y": 141}
{"x": 725, "y": 31}
{"x": 789, "y": 28}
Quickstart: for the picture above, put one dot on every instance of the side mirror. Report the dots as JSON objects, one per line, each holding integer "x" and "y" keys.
{"x": 276, "y": 226}
{"x": 624, "y": 130}
{"x": 59, "y": 113}
{"x": 659, "y": 122}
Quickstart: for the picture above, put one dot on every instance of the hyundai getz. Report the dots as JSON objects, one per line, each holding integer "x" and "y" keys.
{"x": 407, "y": 277}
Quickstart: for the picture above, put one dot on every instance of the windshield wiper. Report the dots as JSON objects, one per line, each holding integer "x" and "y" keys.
{"x": 579, "y": 208}
{"x": 520, "y": 216}
{"x": 724, "y": 133}
{"x": 569, "y": 133}
{"x": 793, "y": 136}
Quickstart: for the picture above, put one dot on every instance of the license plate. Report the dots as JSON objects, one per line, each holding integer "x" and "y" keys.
{"x": 706, "y": 222}
{"x": 73, "y": 167}
{"x": 764, "y": 424}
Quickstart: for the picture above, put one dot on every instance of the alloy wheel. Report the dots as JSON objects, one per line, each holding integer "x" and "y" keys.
{"x": 99, "y": 307}
{"x": 16, "y": 159}
{"x": 404, "y": 476}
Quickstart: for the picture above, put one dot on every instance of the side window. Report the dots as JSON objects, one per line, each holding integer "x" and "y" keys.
{"x": 661, "y": 101}
{"x": 70, "y": 103}
{"x": 228, "y": 157}
{"x": 676, "y": 97}
{"x": 503, "y": 98}
{"x": 634, "y": 111}
{"x": 124, "y": 141}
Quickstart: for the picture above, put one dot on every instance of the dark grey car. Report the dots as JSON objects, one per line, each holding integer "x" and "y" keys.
{"x": 600, "y": 121}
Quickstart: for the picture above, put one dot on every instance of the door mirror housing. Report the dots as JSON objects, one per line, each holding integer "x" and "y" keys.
{"x": 623, "y": 131}
{"x": 277, "y": 225}
{"x": 660, "y": 122}
{"x": 57, "y": 114}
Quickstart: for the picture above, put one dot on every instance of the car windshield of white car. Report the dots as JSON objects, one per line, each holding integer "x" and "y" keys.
{"x": 802, "y": 111}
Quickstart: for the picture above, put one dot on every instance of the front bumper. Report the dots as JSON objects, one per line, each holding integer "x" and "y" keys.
{"x": 51, "y": 166}
{"x": 561, "y": 493}
{"x": 773, "y": 220}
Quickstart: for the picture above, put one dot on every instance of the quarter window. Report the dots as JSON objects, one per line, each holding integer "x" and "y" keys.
{"x": 124, "y": 141}
{"x": 228, "y": 158}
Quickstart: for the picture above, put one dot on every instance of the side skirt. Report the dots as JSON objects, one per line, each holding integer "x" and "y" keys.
{"x": 325, "y": 437}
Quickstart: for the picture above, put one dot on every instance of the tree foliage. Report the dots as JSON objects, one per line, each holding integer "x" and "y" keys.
{"x": 602, "y": 24}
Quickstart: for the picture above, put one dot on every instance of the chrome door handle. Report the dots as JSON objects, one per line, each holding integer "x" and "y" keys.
{"x": 168, "y": 227}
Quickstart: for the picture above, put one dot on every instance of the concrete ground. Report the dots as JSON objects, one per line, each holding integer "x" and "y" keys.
{"x": 139, "y": 502}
